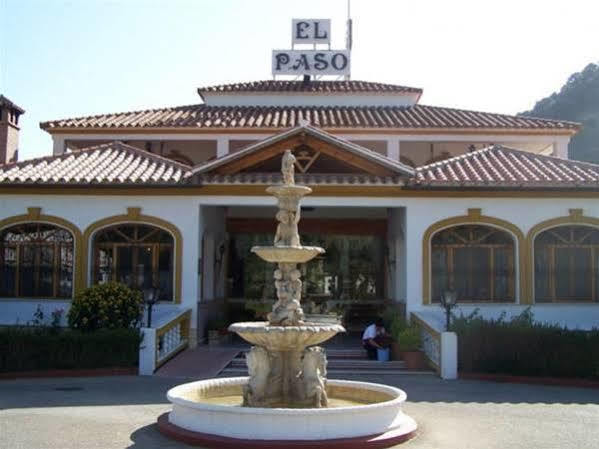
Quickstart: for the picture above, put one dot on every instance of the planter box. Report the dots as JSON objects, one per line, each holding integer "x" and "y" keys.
{"x": 414, "y": 360}
{"x": 396, "y": 353}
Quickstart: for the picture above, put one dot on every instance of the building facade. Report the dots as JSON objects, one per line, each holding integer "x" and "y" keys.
{"x": 409, "y": 200}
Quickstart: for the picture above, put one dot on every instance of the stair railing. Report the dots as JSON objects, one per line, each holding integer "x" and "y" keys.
{"x": 161, "y": 343}
{"x": 440, "y": 348}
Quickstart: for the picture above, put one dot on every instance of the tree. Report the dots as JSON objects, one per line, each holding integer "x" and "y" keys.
{"x": 577, "y": 101}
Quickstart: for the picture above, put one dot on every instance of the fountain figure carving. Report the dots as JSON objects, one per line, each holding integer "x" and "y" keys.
{"x": 293, "y": 374}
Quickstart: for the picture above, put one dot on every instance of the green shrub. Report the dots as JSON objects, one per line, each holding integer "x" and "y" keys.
{"x": 42, "y": 348}
{"x": 397, "y": 326}
{"x": 521, "y": 346}
{"x": 111, "y": 306}
{"x": 409, "y": 339}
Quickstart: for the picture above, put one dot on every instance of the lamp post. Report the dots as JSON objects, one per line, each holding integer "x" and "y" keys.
{"x": 150, "y": 298}
{"x": 448, "y": 302}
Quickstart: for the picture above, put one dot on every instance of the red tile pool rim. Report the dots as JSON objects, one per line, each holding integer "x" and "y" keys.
{"x": 384, "y": 440}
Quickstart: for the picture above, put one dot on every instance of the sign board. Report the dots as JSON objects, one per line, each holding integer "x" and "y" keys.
{"x": 311, "y": 31}
{"x": 310, "y": 62}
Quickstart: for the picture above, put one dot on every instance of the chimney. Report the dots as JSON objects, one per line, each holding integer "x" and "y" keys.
{"x": 9, "y": 130}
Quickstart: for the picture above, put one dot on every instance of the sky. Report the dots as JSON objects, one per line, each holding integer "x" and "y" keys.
{"x": 61, "y": 58}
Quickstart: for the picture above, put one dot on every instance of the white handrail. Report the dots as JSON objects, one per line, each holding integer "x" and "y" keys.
{"x": 440, "y": 348}
{"x": 161, "y": 343}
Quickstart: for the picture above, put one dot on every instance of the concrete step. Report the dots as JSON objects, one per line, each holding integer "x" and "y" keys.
{"x": 239, "y": 362}
{"x": 337, "y": 365}
{"x": 231, "y": 372}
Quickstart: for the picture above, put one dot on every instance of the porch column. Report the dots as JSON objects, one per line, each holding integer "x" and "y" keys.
{"x": 415, "y": 223}
{"x": 58, "y": 145}
{"x": 560, "y": 148}
{"x": 394, "y": 148}
{"x": 222, "y": 146}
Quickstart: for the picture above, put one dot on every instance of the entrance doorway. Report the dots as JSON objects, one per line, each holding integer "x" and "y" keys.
{"x": 349, "y": 280}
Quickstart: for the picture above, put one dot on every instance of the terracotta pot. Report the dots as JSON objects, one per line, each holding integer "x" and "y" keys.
{"x": 414, "y": 360}
{"x": 396, "y": 353}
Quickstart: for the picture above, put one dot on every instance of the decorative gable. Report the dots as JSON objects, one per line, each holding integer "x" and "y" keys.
{"x": 316, "y": 151}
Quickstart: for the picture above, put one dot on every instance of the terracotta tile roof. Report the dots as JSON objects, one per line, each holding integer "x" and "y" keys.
{"x": 381, "y": 117}
{"x": 349, "y": 86}
{"x": 309, "y": 179}
{"x": 503, "y": 167}
{"x": 304, "y": 128}
{"x": 111, "y": 164}
{"x": 117, "y": 164}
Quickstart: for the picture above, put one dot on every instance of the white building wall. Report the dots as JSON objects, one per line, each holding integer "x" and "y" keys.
{"x": 522, "y": 212}
{"x": 420, "y": 213}
{"x": 85, "y": 210}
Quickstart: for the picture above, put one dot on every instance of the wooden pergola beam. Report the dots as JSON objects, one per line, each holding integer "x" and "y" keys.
{"x": 259, "y": 156}
{"x": 343, "y": 156}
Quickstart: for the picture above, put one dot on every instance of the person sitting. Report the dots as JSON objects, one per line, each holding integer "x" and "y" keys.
{"x": 375, "y": 337}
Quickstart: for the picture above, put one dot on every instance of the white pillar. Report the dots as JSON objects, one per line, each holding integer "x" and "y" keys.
{"x": 560, "y": 148}
{"x": 147, "y": 352}
{"x": 414, "y": 228}
{"x": 222, "y": 146}
{"x": 449, "y": 355}
{"x": 58, "y": 145}
{"x": 393, "y": 148}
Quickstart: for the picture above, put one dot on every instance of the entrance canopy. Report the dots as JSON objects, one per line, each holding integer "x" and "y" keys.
{"x": 318, "y": 153}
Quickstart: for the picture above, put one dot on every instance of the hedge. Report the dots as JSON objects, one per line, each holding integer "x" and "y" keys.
{"x": 523, "y": 347}
{"x": 44, "y": 348}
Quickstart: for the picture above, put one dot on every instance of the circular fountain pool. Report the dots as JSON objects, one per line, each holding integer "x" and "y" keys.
{"x": 360, "y": 414}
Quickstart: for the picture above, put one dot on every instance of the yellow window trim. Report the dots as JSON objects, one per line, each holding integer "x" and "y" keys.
{"x": 34, "y": 215}
{"x": 574, "y": 217}
{"x": 134, "y": 215}
{"x": 474, "y": 216}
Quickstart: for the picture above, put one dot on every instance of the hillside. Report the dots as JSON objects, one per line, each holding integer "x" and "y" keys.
{"x": 578, "y": 101}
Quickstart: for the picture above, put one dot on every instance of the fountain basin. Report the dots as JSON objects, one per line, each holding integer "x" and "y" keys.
{"x": 285, "y": 338}
{"x": 377, "y": 416}
{"x": 287, "y": 254}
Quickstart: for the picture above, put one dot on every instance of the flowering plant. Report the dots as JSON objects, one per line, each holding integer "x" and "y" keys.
{"x": 111, "y": 305}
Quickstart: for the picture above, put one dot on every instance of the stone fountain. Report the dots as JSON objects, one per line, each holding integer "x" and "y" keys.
{"x": 285, "y": 368}
{"x": 287, "y": 397}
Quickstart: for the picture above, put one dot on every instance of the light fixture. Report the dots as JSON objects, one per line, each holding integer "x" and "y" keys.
{"x": 150, "y": 297}
{"x": 449, "y": 299}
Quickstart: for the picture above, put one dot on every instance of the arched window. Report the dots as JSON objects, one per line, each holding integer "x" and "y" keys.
{"x": 36, "y": 260}
{"x": 138, "y": 255}
{"x": 567, "y": 264}
{"x": 475, "y": 260}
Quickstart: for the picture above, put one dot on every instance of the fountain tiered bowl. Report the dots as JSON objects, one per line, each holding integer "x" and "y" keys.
{"x": 287, "y": 254}
{"x": 285, "y": 338}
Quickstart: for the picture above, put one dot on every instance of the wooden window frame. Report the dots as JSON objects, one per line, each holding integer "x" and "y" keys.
{"x": 552, "y": 270}
{"x": 449, "y": 250}
{"x": 135, "y": 243}
{"x": 37, "y": 244}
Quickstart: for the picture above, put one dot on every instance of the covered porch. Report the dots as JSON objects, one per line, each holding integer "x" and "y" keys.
{"x": 360, "y": 275}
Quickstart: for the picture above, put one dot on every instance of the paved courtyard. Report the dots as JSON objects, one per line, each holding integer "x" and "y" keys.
{"x": 120, "y": 412}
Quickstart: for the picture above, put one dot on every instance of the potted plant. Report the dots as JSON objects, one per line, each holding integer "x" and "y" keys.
{"x": 409, "y": 345}
{"x": 396, "y": 327}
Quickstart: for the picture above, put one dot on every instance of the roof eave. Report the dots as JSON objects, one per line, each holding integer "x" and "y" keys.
{"x": 347, "y": 130}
